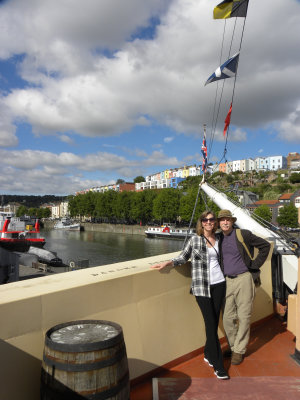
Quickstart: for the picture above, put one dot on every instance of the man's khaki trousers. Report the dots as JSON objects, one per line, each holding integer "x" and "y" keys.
{"x": 240, "y": 293}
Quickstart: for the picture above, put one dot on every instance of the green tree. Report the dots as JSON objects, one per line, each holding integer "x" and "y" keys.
{"x": 229, "y": 179}
{"x": 77, "y": 205}
{"x": 100, "y": 206}
{"x": 142, "y": 205}
{"x": 166, "y": 205}
{"x": 295, "y": 177}
{"x": 32, "y": 211}
{"x": 89, "y": 204}
{"x": 261, "y": 189}
{"x": 40, "y": 213}
{"x": 22, "y": 210}
{"x": 122, "y": 206}
{"x": 46, "y": 212}
{"x": 119, "y": 181}
{"x": 139, "y": 179}
{"x": 271, "y": 194}
{"x": 264, "y": 212}
{"x": 284, "y": 187}
{"x": 187, "y": 204}
{"x": 106, "y": 204}
{"x": 288, "y": 216}
{"x": 190, "y": 182}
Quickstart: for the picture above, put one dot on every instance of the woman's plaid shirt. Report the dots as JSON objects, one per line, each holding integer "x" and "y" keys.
{"x": 196, "y": 250}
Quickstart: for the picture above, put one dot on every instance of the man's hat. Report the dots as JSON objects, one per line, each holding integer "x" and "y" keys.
{"x": 226, "y": 214}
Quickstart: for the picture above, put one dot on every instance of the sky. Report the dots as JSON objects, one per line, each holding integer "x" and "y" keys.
{"x": 94, "y": 91}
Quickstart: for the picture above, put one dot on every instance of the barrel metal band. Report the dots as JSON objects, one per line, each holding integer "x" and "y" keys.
{"x": 107, "y": 394}
{"x": 56, "y": 393}
{"x": 85, "y": 367}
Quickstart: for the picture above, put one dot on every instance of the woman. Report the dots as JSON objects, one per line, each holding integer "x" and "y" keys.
{"x": 208, "y": 284}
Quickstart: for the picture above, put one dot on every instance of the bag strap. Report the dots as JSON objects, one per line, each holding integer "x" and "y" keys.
{"x": 241, "y": 239}
{"x": 218, "y": 256}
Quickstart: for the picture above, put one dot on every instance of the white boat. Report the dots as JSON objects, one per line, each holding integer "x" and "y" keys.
{"x": 169, "y": 232}
{"x": 67, "y": 224}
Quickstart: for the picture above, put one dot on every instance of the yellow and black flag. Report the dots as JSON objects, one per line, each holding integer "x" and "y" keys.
{"x": 230, "y": 9}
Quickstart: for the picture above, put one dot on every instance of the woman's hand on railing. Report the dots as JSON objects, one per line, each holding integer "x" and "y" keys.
{"x": 162, "y": 265}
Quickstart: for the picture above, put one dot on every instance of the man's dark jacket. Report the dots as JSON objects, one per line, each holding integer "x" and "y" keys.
{"x": 251, "y": 241}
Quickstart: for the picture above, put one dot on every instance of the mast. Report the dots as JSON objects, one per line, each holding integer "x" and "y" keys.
{"x": 244, "y": 220}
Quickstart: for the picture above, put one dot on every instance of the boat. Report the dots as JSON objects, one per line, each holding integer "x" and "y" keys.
{"x": 168, "y": 232}
{"x": 67, "y": 224}
{"x": 15, "y": 235}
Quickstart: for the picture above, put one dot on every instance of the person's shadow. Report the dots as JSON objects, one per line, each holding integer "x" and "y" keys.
{"x": 264, "y": 333}
{"x": 260, "y": 335}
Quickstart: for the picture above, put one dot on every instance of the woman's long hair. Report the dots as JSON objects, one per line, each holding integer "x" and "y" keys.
{"x": 199, "y": 228}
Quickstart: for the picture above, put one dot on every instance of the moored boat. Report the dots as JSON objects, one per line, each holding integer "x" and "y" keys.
{"x": 16, "y": 236}
{"x": 168, "y": 232}
{"x": 67, "y": 224}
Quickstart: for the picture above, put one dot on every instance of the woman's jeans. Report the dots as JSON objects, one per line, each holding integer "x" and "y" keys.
{"x": 210, "y": 308}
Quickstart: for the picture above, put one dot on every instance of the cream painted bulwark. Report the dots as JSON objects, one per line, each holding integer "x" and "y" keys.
{"x": 160, "y": 319}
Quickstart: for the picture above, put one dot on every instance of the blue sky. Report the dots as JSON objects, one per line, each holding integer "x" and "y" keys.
{"x": 110, "y": 90}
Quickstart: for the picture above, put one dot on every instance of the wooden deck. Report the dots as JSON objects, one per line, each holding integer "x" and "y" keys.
{"x": 267, "y": 372}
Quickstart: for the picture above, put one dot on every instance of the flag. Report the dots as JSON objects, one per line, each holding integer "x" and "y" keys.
{"x": 230, "y": 9}
{"x": 227, "y": 120}
{"x": 227, "y": 70}
{"x": 204, "y": 153}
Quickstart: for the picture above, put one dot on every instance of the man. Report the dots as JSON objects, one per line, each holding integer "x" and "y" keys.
{"x": 241, "y": 271}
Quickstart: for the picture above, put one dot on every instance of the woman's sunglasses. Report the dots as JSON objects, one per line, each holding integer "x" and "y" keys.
{"x": 208, "y": 220}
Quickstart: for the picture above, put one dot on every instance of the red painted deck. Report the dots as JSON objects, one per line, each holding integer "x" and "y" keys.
{"x": 267, "y": 372}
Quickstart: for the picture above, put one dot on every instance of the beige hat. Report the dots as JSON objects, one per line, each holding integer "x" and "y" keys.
{"x": 226, "y": 214}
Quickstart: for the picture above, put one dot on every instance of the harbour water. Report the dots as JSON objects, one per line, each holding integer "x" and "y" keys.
{"x": 105, "y": 248}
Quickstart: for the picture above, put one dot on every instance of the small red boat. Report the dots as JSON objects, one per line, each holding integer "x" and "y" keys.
{"x": 21, "y": 240}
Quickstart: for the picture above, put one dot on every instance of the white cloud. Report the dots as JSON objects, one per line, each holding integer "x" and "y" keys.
{"x": 168, "y": 139}
{"x": 41, "y": 172}
{"x": 80, "y": 89}
{"x": 83, "y": 75}
{"x": 236, "y": 135}
{"x": 66, "y": 139}
{"x": 290, "y": 128}
{"x": 7, "y": 137}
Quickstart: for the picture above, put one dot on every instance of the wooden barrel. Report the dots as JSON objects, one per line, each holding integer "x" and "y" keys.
{"x": 85, "y": 360}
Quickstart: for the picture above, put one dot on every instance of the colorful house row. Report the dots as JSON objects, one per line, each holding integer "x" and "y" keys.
{"x": 159, "y": 184}
{"x": 169, "y": 178}
{"x": 258, "y": 164}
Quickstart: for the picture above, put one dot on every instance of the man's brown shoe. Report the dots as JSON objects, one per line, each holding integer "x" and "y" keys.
{"x": 236, "y": 358}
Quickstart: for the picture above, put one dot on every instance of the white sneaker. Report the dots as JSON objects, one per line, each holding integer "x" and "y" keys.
{"x": 221, "y": 374}
{"x": 206, "y": 360}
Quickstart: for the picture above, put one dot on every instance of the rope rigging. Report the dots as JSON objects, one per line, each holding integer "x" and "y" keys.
{"x": 217, "y": 103}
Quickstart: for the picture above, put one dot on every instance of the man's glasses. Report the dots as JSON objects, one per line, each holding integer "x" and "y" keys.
{"x": 208, "y": 220}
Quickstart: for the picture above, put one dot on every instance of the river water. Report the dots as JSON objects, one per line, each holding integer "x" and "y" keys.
{"x": 105, "y": 248}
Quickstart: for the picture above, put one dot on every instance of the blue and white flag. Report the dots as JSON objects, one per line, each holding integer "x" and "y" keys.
{"x": 227, "y": 70}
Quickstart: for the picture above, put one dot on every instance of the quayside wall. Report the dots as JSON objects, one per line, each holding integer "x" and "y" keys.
{"x": 160, "y": 319}
{"x": 110, "y": 228}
